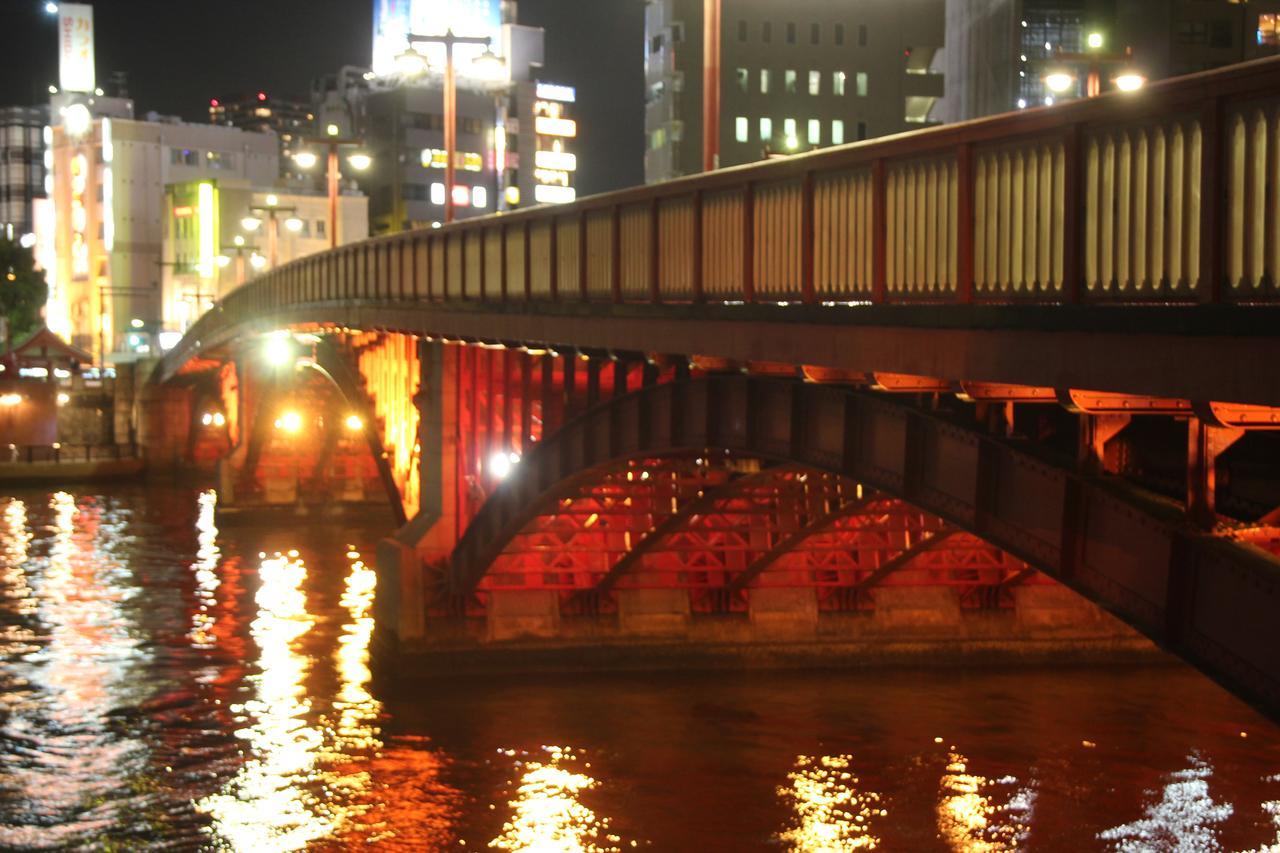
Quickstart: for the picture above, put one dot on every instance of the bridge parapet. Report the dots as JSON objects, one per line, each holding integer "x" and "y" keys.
{"x": 1167, "y": 196}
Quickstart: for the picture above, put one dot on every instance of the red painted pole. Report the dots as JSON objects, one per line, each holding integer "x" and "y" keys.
{"x": 711, "y": 85}
{"x": 333, "y": 195}
{"x": 450, "y": 126}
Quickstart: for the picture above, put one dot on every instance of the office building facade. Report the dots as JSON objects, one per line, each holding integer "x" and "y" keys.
{"x": 1000, "y": 51}
{"x": 795, "y": 76}
{"x": 22, "y": 167}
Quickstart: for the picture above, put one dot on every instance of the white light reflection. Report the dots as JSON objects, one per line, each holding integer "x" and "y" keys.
{"x": 549, "y": 814}
{"x": 1272, "y": 808}
{"x": 1183, "y": 820}
{"x": 832, "y": 814}
{"x": 265, "y": 806}
{"x": 356, "y": 708}
{"x": 15, "y": 544}
{"x": 205, "y": 568}
{"x": 969, "y": 821}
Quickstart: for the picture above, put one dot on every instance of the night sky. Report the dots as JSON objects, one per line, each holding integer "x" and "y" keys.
{"x": 180, "y": 53}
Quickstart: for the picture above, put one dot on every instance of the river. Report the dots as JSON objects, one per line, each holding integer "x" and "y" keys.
{"x": 167, "y": 684}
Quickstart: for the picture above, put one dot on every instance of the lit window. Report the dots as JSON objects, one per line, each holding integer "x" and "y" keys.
{"x": 789, "y": 128}
{"x": 766, "y": 129}
{"x": 837, "y": 82}
{"x": 815, "y": 82}
{"x": 461, "y": 196}
{"x": 789, "y": 81}
{"x": 764, "y": 81}
{"x": 479, "y": 197}
{"x": 742, "y": 129}
{"x": 837, "y": 132}
{"x": 1269, "y": 29}
{"x": 861, "y": 82}
{"x": 437, "y": 193}
{"x": 815, "y": 132}
{"x": 743, "y": 77}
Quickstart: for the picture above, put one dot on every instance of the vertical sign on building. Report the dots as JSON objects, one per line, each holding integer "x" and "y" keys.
{"x": 554, "y": 164}
{"x": 75, "y": 47}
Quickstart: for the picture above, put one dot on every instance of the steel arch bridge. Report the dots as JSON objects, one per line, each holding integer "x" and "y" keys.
{"x": 747, "y": 340}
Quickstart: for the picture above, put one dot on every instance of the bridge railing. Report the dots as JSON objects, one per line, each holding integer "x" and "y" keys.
{"x": 1167, "y": 195}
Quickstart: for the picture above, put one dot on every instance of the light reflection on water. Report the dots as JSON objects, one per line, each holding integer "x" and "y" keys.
{"x": 832, "y": 814}
{"x": 162, "y": 682}
{"x": 548, "y": 813}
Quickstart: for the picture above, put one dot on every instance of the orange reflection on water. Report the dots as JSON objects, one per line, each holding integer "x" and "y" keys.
{"x": 969, "y": 820}
{"x": 267, "y": 805}
{"x": 831, "y": 813}
{"x": 548, "y": 812}
{"x": 203, "y": 620}
{"x": 356, "y": 708}
{"x": 15, "y": 543}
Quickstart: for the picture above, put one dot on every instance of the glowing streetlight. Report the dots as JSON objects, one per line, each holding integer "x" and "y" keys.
{"x": 250, "y": 223}
{"x": 360, "y": 161}
{"x": 257, "y": 261}
{"x": 354, "y": 423}
{"x": 1059, "y": 81}
{"x": 294, "y": 224}
{"x": 51, "y": 8}
{"x": 1129, "y": 81}
{"x": 1095, "y": 41}
{"x": 330, "y": 130}
{"x": 272, "y": 199}
{"x": 306, "y": 159}
{"x": 238, "y": 240}
{"x": 411, "y": 63}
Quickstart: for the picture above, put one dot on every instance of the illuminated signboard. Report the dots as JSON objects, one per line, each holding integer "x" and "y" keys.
{"x": 394, "y": 20}
{"x": 75, "y": 47}
{"x": 436, "y": 158}
{"x": 543, "y": 194}
{"x": 556, "y": 92}
{"x": 560, "y": 160}
{"x": 183, "y": 211}
{"x": 548, "y": 126}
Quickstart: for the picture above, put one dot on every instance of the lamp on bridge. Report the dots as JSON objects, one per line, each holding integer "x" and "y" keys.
{"x": 1065, "y": 69}
{"x": 272, "y": 209}
{"x": 412, "y": 63}
{"x": 358, "y": 160}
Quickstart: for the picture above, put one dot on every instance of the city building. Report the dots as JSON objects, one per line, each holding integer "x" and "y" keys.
{"x": 218, "y": 233}
{"x": 1002, "y": 53}
{"x": 21, "y": 167}
{"x": 101, "y": 242}
{"x": 290, "y": 120}
{"x": 515, "y": 132}
{"x": 794, "y": 76}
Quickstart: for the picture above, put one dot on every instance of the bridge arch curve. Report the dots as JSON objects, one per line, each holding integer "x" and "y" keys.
{"x": 1124, "y": 551}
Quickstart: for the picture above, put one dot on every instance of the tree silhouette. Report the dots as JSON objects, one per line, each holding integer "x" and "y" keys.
{"x": 22, "y": 290}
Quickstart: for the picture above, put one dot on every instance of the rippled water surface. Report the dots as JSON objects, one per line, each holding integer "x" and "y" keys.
{"x": 167, "y": 683}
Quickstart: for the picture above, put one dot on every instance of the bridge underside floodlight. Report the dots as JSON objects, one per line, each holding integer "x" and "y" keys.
{"x": 500, "y": 464}
{"x": 354, "y": 423}
{"x": 279, "y": 350}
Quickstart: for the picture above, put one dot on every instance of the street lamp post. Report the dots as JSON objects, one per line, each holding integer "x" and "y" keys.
{"x": 307, "y": 160}
{"x": 272, "y": 210}
{"x": 412, "y": 58}
{"x": 711, "y": 85}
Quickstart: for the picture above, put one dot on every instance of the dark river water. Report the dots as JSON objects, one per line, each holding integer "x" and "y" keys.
{"x": 167, "y": 684}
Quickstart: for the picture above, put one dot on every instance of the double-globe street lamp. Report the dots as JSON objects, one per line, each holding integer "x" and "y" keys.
{"x": 357, "y": 160}
{"x": 272, "y": 210}
{"x": 412, "y": 63}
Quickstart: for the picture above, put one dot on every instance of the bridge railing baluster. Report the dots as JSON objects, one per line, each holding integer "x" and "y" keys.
{"x": 636, "y": 238}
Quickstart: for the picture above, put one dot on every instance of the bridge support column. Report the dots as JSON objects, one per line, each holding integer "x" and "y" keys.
{"x": 916, "y": 607}
{"x": 423, "y": 545}
{"x": 1096, "y": 432}
{"x": 165, "y": 425}
{"x": 1054, "y": 607}
{"x": 783, "y": 611}
{"x": 523, "y": 613}
{"x": 1204, "y": 443}
{"x": 653, "y": 611}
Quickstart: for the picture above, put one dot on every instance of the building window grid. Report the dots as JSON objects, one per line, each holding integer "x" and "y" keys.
{"x": 1059, "y": 30}
{"x": 815, "y": 82}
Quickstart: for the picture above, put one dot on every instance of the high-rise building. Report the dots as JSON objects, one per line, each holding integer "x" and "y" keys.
{"x": 290, "y": 120}
{"x": 514, "y": 131}
{"x": 107, "y": 191}
{"x": 795, "y": 76}
{"x": 1000, "y": 52}
{"x": 22, "y": 168}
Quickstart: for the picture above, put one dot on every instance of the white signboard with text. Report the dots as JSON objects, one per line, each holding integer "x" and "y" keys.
{"x": 75, "y": 47}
